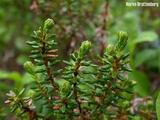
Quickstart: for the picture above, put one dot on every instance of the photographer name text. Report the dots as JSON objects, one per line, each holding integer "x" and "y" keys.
{"x": 142, "y": 4}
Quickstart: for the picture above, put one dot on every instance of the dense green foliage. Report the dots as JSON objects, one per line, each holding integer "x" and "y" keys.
{"x": 75, "y": 21}
{"x": 82, "y": 89}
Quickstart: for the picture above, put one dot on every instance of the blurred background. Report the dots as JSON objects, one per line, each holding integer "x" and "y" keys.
{"x": 75, "y": 21}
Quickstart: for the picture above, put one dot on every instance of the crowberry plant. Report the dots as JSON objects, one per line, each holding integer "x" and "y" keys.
{"x": 82, "y": 90}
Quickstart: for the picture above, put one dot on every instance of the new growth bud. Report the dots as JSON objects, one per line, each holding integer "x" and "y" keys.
{"x": 29, "y": 67}
{"x": 122, "y": 41}
{"x": 109, "y": 48}
{"x": 48, "y": 24}
{"x": 85, "y": 47}
{"x": 64, "y": 88}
